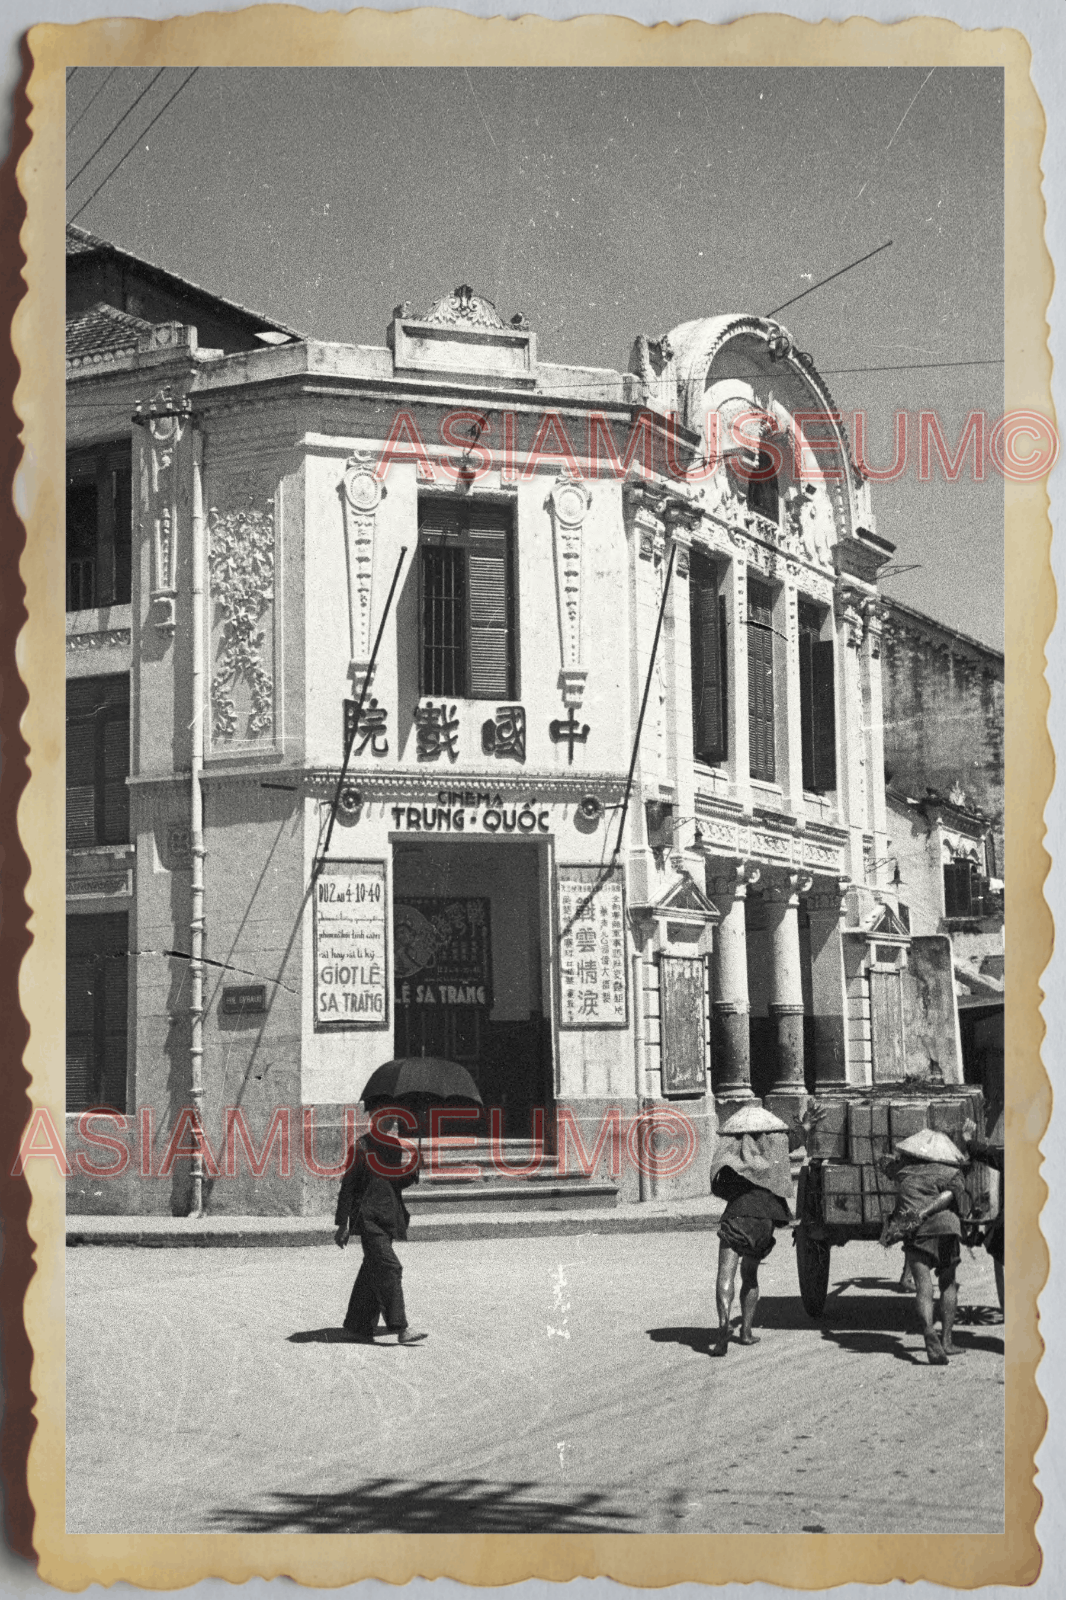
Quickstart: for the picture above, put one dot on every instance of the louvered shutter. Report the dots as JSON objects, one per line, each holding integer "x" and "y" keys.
{"x": 760, "y": 683}
{"x": 708, "y": 677}
{"x": 82, "y": 973}
{"x": 81, "y": 784}
{"x": 113, "y": 1066}
{"x": 490, "y": 634}
{"x": 116, "y": 764}
{"x": 824, "y": 709}
{"x": 957, "y": 889}
{"x": 122, "y": 504}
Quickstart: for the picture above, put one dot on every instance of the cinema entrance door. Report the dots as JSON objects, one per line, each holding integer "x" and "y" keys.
{"x": 469, "y": 963}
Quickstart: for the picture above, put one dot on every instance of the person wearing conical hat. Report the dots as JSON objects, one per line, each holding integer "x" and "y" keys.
{"x": 990, "y": 1155}
{"x": 931, "y": 1203}
{"x": 750, "y": 1172}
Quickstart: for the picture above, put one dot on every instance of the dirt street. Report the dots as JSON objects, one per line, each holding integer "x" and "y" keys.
{"x": 566, "y": 1387}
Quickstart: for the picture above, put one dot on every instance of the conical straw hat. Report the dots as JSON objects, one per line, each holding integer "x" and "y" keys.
{"x": 753, "y": 1119}
{"x": 931, "y": 1146}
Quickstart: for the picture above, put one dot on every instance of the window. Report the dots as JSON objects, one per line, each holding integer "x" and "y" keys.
{"x": 97, "y": 970}
{"x": 965, "y": 890}
{"x": 99, "y": 526}
{"x": 709, "y": 677}
{"x": 817, "y": 709}
{"x": 466, "y": 602}
{"x": 98, "y": 762}
{"x": 759, "y": 487}
{"x": 761, "y": 741}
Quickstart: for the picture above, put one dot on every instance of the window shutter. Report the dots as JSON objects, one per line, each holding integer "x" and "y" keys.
{"x": 760, "y": 683}
{"x": 708, "y": 663}
{"x": 122, "y": 502}
{"x": 116, "y": 761}
{"x": 957, "y": 889}
{"x": 490, "y": 634}
{"x": 806, "y": 685}
{"x": 823, "y": 699}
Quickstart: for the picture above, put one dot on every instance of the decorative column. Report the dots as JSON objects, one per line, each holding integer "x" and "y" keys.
{"x": 361, "y": 494}
{"x": 875, "y": 735}
{"x": 788, "y": 1092}
{"x": 829, "y": 1001}
{"x": 568, "y": 503}
{"x": 730, "y": 1026}
{"x": 166, "y": 417}
{"x": 851, "y": 717}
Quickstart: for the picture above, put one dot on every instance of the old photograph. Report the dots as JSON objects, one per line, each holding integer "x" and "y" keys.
{"x": 535, "y": 830}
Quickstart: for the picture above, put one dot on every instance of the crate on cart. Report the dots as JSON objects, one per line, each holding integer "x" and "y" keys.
{"x": 845, "y": 1194}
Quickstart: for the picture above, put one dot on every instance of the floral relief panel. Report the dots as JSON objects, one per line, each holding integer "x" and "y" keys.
{"x": 242, "y": 569}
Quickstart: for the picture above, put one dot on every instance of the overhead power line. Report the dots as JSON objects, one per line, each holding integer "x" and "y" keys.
{"x": 838, "y": 274}
{"x": 91, "y": 101}
{"x": 155, "y": 77}
{"x": 911, "y": 366}
{"x": 183, "y": 84}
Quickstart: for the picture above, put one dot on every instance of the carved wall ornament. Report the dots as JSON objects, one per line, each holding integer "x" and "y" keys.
{"x": 106, "y": 639}
{"x": 361, "y": 494}
{"x": 464, "y": 309}
{"x": 568, "y": 503}
{"x": 241, "y": 564}
{"x": 849, "y": 607}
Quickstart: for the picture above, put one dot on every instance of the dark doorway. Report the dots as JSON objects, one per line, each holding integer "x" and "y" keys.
{"x": 468, "y": 956}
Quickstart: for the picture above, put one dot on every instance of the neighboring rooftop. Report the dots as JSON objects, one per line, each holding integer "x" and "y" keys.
{"x": 102, "y": 331}
{"x": 99, "y": 272}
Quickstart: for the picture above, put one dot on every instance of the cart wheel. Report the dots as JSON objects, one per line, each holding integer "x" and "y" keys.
{"x": 812, "y": 1262}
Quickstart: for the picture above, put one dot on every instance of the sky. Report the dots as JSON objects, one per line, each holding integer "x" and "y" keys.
{"x": 603, "y": 204}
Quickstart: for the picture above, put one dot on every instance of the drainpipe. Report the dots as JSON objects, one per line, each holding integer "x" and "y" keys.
{"x": 196, "y": 824}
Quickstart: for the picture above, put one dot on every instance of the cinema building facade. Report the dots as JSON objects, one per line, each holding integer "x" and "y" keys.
{"x": 612, "y": 831}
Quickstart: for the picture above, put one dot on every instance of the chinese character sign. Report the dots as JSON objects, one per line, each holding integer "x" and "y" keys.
{"x": 350, "y": 928}
{"x": 592, "y": 948}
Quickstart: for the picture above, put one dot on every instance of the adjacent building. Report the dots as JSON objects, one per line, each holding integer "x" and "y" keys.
{"x": 432, "y": 698}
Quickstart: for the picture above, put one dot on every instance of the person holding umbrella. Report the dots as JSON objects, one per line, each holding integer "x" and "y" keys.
{"x": 371, "y": 1201}
{"x": 371, "y": 1204}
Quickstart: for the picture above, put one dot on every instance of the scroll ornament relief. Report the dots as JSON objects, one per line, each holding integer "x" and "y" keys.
{"x": 569, "y": 502}
{"x": 166, "y": 417}
{"x": 361, "y": 494}
{"x": 241, "y": 563}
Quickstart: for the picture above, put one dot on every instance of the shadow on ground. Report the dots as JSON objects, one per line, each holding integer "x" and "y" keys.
{"x": 319, "y": 1336}
{"x": 867, "y": 1324}
{"x": 405, "y": 1505}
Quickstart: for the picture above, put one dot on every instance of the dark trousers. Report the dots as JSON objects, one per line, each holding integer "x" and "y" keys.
{"x": 378, "y": 1286}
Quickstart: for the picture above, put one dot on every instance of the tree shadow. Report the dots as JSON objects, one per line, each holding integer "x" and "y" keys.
{"x": 406, "y": 1505}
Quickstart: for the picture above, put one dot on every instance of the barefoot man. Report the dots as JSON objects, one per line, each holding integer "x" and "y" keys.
{"x": 932, "y": 1201}
{"x": 751, "y": 1173}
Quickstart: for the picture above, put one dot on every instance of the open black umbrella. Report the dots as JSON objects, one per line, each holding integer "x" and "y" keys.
{"x": 429, "y": 1077}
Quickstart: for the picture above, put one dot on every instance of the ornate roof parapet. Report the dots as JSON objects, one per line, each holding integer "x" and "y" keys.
{"x": 463, "y": 333}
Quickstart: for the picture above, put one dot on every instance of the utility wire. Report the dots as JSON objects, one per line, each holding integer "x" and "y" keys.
{"x": 117, "y": 126}
{"x": 71, "y": 73}
{"x": 839, "y": 274}
{"x": 91, "y": 101}
{"x": 912, "y": 366}
{"x": 135, "y": 143}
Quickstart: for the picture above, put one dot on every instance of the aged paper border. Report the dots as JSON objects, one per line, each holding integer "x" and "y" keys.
{"x": 283, "y": 36}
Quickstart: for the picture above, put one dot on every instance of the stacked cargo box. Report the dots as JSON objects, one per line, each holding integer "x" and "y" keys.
{"x": 854, "y": 1136}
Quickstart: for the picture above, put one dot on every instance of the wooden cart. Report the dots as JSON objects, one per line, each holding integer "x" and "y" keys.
{"x": 844, "y": 1194}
